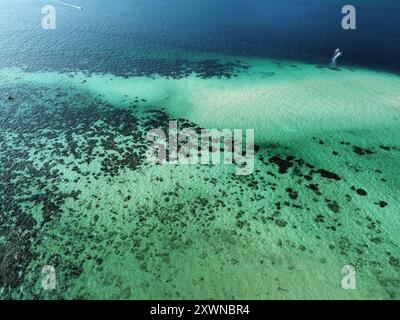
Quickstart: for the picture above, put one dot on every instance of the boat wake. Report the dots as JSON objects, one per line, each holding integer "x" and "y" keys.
{"x": 70, "y": 5}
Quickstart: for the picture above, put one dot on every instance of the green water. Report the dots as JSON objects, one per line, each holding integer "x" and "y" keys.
{"x": 81, "y": 197}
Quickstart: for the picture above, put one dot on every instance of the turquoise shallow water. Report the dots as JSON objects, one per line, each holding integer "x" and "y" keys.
{"x": 80, "y": 196}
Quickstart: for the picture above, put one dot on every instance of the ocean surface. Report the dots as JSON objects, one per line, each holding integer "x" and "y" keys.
{"x": 76, "y": 191}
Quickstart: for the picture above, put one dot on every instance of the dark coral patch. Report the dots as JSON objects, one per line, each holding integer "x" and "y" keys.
{"x": 362, "y": 151}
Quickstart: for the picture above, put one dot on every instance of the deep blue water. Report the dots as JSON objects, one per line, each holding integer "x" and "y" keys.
{"x": 110, "y": 35}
